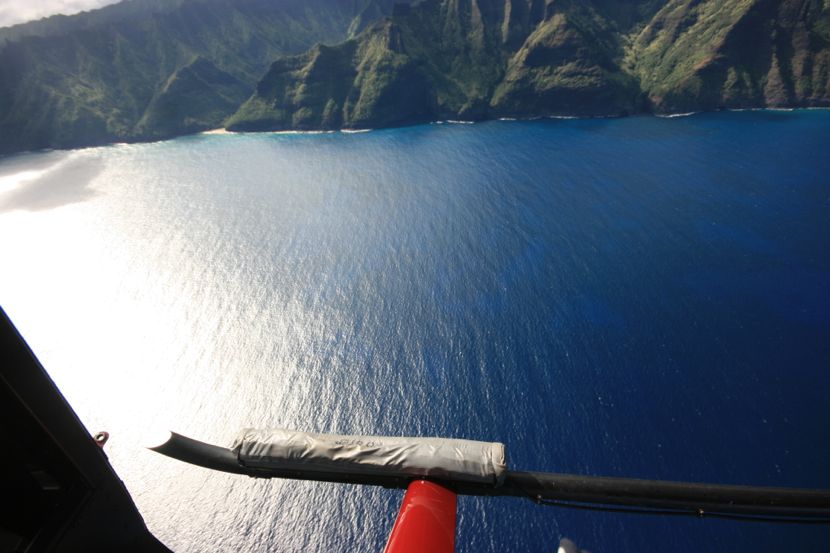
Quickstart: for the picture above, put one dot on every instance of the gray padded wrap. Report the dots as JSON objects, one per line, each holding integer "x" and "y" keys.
{"x": 462, "y": 460}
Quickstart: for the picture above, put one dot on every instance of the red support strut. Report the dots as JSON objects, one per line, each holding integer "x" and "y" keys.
{"x": 426, "y": 521}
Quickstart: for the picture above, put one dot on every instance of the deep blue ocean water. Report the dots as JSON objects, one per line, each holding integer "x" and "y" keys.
{"x": 637, "y": 297}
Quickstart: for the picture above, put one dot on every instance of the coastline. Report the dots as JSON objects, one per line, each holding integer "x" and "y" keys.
{"x": 225, "y": 132}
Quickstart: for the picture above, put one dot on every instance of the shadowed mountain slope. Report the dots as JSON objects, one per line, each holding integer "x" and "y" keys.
{"x": 112, "y": 74}
{"x": 145, "y": 70}
{"x": 476, "y": 59}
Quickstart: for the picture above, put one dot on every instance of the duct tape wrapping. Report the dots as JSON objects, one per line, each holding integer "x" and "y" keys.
{"x": 461, "y": 460}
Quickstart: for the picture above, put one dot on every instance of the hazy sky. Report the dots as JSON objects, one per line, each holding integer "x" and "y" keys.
{"x": 18, "y": 11}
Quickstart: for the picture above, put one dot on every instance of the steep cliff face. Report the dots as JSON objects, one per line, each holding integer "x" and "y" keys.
{"x": 358, "y": 84}
{"x": 113, "y": 74}
{"x": 735, "y": 53}
{"x": 468, "y": 59}
{"x": 129, "y": 73}
{"x": 474, "y": 59}
{"x": 386, "y": 76}
{"x": 195, "y": 97}
{"x": 568, "y": 65}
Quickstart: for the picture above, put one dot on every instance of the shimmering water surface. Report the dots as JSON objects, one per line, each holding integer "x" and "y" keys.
{"x": 639, "y": 297}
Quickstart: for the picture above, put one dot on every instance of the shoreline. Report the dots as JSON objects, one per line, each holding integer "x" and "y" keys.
{"x": 225, "y": 132}
{"x": 677, "y": 115}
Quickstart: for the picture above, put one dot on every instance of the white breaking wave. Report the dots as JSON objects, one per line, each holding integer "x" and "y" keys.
{"x": 676, "y": 115}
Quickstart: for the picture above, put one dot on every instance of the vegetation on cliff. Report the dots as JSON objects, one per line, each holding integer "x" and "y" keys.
{"x": 475, "y": 59}
{"x": 147, "y": 69}
{"x": 115, "y": 74}
{"x": 736, "y": 53}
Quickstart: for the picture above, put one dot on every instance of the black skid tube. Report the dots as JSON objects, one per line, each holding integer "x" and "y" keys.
{"x": 660, "y": 494}
{"x": 682, "y": 497}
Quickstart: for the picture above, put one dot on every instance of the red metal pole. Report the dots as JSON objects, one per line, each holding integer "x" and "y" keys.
{"x": 426, "y": 520}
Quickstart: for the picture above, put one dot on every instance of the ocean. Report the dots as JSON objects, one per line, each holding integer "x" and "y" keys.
{"x": 637, "y": 297}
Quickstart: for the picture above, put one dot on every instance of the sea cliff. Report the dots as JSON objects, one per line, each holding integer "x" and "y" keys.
{"x": 155, "y": 70}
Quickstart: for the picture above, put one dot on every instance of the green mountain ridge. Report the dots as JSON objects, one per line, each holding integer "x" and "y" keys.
{"x": 195, "y": 97}
{"x": 145, "y": 69}
{"x": 105, "y": 75}
{"x": 63, "y": 24}
{"x": 479, "y": 59}
{"x": 764, "y": 53}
